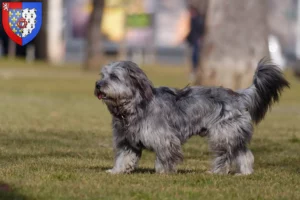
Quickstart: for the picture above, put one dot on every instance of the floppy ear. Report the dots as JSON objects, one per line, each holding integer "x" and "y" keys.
{"x": 140, "y": 81}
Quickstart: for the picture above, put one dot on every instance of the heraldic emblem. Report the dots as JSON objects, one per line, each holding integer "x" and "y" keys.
{"x": 22, "y": 20}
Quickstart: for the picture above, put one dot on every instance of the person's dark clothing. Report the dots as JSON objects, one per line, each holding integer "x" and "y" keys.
{"x": 197, "y": 29}
{"x": 195, "y": 55}
{"x": 196, "y": 32}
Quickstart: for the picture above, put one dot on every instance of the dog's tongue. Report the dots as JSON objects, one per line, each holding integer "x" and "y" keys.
{"x": 99, "y": 96}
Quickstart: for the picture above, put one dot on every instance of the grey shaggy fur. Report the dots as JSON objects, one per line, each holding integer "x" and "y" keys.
{"x": 162, "y": 119}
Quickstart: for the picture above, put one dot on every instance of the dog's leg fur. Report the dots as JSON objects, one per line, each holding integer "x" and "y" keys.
{"x": 221, "y": 146}
{"x": 168, "y": 155}
{"x": 126, "y": 160}
{"x": 165, "y": 166}
{"x": 160, "y": 168}
{"x": 228, "y": 140}
{"x": 221, "y": 164}
{"x": 244, "y": 162}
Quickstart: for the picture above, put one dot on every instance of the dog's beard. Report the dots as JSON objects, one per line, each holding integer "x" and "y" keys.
{"x": 105, "y": 98}
{"x": 100, "y": 95}
{"x": 113, "y": 98}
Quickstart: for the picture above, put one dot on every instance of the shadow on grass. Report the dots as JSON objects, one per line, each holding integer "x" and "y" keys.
{"x": 54, "y": 154}
{"x": 8, "y": 193}
{"x": 150, "y": 170}
{"x": 179, "y": 171}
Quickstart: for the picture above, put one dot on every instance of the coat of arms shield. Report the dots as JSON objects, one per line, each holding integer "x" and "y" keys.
{"x": 22, "y": 20}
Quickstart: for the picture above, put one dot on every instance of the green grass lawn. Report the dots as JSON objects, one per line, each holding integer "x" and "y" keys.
{"x": 55, "y": 143}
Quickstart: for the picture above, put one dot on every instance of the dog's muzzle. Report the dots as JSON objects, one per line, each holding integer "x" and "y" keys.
{"x": 98, "y": 92}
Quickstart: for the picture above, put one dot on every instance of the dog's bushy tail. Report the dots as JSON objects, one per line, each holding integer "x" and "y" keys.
{"x": 268, "y": 83}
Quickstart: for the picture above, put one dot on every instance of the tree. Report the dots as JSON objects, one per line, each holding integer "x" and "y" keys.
{"x": 40, "y": 42}
{"x": 200, "y": 5}
{"x": 12, "y": 47}
{"x": 235, "y": 40}
{"x": 93, "y": 50}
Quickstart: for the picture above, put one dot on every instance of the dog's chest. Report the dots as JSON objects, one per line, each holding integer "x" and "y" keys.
{"x": 130, "y": 130}
{"x": 139, "y": 133}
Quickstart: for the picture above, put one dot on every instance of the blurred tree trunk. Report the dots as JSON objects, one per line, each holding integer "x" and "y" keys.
{"x": 40, "y": 41}
{"x": 201, "y": 5}
{"x": 12, "y": 49}
{"x": 235, "y": 40}
{"x": 93, "y": 50}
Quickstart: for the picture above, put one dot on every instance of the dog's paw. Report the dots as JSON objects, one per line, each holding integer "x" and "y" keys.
{"x": 217, "y": 172}
{"x": 113, "y": 171}
{"x": 110, "y": 171}
{"x": 242, "y": 174}
{"x": 238, "y": 174}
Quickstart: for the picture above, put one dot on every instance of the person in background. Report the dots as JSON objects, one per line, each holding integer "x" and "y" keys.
{"x": 195, "y": 38}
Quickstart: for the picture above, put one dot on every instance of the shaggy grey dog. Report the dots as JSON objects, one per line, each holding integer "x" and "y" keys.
{"x": 162, "y": 119}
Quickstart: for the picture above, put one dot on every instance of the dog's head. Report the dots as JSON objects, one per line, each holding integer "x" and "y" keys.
{"x": 123, "y": 82}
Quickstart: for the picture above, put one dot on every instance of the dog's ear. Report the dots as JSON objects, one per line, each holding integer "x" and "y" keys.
{"x": 140, "y": 81}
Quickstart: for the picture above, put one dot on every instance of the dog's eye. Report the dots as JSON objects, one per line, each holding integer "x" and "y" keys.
{"x": 114, "y": 77}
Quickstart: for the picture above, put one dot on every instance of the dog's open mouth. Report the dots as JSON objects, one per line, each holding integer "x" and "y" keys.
{"x": 101, "y": 95}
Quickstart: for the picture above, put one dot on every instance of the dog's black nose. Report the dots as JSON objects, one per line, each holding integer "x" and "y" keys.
{"x": 99, "y": 84}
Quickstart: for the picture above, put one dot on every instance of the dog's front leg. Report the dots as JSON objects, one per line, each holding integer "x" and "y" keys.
{"x": 168, "y": 156}
{"x": 126, "y": 160}
{"x": 164, "y": 167}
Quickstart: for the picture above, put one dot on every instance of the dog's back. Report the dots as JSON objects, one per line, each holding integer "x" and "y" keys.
{"x": 268, "y": 83}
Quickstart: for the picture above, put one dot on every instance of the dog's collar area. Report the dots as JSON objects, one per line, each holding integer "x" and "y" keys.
{"x": 123, "y": 119}
{"x": 120, "y": 112}
{"x": 120, "y": 115}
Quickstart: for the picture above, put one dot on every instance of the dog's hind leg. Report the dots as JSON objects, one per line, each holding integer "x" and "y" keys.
{"x": 165, "y": 166}
{"x": 244, "y": 162}
{"x": 221, "y": 164}
{"x": 243, "y": 157}
{"x": 161, "y": 168}
{"x": 220, "y": 145}
{"x": 228, "y": 140}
